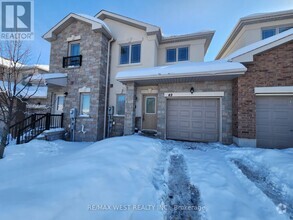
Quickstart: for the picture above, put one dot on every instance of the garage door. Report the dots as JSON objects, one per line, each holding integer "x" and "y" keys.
{"x": 193, "y": 119}
{"x": 274, "y": 121}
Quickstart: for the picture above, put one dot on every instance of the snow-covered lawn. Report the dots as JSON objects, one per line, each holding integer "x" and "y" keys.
{"x": 136, "y": 177}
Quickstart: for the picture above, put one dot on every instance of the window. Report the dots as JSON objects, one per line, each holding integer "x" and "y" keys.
{"x": 282, "y": 29}
{"x": 130, "y": 53}
{"x": 120, "y": 105}
{"x": 171, "y": 55}
{"x": 150, "y": 105}
{"x": 273, "y": 31}
{"x": 74, "y": 49}
{"x": 84, "y": 103}
{"x": 177, "y": 54}
{"x": 268, "y": 33}
{"x": 183, "y": 54}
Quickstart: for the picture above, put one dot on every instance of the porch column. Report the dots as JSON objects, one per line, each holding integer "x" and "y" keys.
{"x": 130, "y": 102}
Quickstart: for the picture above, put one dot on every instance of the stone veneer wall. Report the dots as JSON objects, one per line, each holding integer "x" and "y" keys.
{"x": 270, "y": 68}
{"x": 206, "y": 86}
{"x": 92, "y": 75}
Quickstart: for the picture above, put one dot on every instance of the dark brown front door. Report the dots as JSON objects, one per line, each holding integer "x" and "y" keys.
{"x": 149, "y": 110}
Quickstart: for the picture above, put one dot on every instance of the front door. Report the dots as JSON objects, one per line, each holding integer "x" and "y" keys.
{"x": 149, "y": 117}
{"x": 59, "y": 104}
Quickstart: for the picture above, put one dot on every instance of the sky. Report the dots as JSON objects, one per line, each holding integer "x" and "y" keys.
{"x": 173, "y": 16}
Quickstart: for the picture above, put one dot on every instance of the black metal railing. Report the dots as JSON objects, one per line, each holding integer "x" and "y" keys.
{"x": 30, "y": 127}
{"x": 72, "y": 61}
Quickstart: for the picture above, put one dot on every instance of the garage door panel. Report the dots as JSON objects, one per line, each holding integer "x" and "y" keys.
{"x": 274, "y": 121}
{"x": 197, "y": 119}
{"x": 196, "y": 114}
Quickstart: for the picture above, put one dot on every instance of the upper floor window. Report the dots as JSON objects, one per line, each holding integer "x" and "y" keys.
{"x": 269, "y": 32}
{"x": 130, "y": 53}
{"x": 177, "y": 54}
{"x": 74, "y": 58}
{"x": 74, "y": 49}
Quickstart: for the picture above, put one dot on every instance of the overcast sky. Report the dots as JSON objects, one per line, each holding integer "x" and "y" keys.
{"x": 173, "y": 16}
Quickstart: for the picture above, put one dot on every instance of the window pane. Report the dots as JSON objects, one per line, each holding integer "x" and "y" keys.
{"x": 124, "y": 54}
{"x": 268, "y": 33}
{"x": 135, "y": 53}
{"x": 85, "y": 104}
{"x": 282, "y": 29}
{"x": 171, "y": 55}
{"x": 120, "y": 105}
{"x": 60, "y": 103}
{"x": 183, "y": 54}
{"x": 151, "y": 105}
{"x": 74, "y": 49}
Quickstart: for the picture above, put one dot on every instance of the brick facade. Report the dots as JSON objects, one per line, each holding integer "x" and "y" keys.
{"x": 270, "y": 68}
{"x": 91, "y": 75}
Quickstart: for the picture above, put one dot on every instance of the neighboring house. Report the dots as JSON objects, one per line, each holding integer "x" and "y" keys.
{"x": 123, "y": 75}
{"x": 263, "y": 97}
{"x": 256, "y": 27}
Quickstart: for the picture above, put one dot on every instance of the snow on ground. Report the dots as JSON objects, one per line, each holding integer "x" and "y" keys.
{"x": 63, "y": 180}
{"x": 136, "y": 177}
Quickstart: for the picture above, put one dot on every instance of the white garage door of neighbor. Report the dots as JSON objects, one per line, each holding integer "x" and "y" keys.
{"x": 274, "y": 121}
{"x": 193, "y": 119}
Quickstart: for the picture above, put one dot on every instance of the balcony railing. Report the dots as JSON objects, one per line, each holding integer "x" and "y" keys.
{"x": 72, "y": 61}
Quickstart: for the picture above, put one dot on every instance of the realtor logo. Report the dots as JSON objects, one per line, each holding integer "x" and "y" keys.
{"x": 16, "y": 20}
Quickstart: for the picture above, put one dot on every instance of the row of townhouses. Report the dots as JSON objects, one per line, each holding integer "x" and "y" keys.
{"x": 118, "y": 75}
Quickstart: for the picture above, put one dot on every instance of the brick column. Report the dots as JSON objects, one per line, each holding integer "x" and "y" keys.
{"x": 130, "y": 102}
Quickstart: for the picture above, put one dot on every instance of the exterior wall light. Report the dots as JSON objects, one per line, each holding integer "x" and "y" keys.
{"x": 191, "y": 90}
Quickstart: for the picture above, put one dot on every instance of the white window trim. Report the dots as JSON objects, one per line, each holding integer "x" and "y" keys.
{"x": 145, "y": 105}
{"x": 130, "y": 51}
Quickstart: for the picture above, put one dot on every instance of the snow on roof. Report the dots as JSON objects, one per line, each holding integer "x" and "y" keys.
{"x": 9, "y": 63}
{"x": 184, "y": 69}
{"x": 261, "y": 15}
{"x": 42, "y": 67}
{"x": 26, "y": 91}
{"x": 260, "y": 44}
{"x": 96, "y": 20}
{"x": 46, "y": 76}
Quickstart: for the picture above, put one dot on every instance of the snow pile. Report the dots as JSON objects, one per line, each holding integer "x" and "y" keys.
{"x": 63, "y": 180}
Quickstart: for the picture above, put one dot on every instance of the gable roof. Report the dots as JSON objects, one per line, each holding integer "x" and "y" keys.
{"x": 246, "y": 54}
{"x": 149, "y": 28}
{"x": 97, "y": 25}
{"x": 253, "y": 19}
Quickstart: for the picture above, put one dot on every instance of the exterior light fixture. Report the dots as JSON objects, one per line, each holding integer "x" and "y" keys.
{"x": 191, "y": 90}
{"x": 65, "y": 94}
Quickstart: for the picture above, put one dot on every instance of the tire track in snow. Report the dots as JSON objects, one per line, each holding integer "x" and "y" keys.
{"x": 260, "y": 179}
{"x": 183, "y": 200}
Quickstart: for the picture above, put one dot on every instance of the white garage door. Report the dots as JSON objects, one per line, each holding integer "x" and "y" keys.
{"x": 274, "y": 121}
{"x": 193, "y": 119}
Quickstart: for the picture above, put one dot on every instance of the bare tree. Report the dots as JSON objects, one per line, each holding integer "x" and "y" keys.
{"x": 13, "y": 87}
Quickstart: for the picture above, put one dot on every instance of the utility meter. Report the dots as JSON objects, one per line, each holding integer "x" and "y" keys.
{"x": 111, "y": 110}
{"x": 73, "y": 113}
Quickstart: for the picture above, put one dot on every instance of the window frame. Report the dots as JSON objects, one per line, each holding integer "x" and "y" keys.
{"x": 177, "y": 54}
{"x": 81, "y": 95}
{"x": 276, "y": 29}
{"x": 69, "y": 47}
{"x": 130, "y": 54}
{"x": 56, "y": 110}
{"x": 117, "y": 99}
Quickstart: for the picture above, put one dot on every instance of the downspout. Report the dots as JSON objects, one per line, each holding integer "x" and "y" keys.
{"x": 107, "y": 82}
